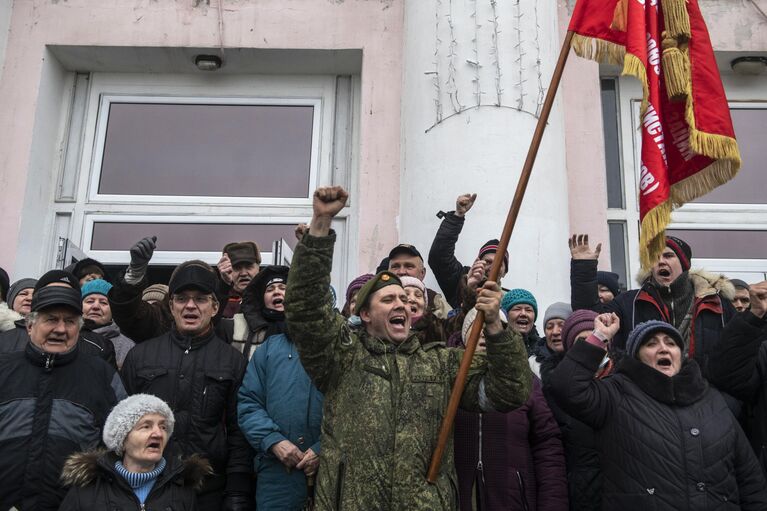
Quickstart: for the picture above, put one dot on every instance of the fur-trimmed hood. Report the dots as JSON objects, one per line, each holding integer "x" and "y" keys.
{"x": 705, "y": 283}
{"x": 7, "y": 317}
{"x": 83, "y": 468}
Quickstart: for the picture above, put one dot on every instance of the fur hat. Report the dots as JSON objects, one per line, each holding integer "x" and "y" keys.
{"x": 517, "y": 296}
{"x": 643, "y": 331}
{"x": 580, "y": 320}
{"x": 127, "y": 413}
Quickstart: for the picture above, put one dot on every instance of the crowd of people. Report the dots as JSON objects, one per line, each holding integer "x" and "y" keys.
{"x": 241, "y": 387}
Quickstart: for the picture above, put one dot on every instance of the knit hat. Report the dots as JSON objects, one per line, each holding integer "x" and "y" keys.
{"x": 196, "y": 274}
{"x": 156, "y": 292}
{"x": 681, "y": 249}
{"x": 17, "y": 287}
{"x": 468, "y": 320}
{"x": 379, "y": 281}
{"x": 557, "y": 310}
{"x": 580, "y": 320}
{"x": 491, "y": 247}
{"x": 610, "y": 281}
{"x": 643, "y": 331}
{"x": 127, "y": 413}
{"x": 356, "y": 284}
{"x": 95, "y": 287}
{"x": 5, "y": 281}
{"x": 408, "y": 281}
{"x": 272, "y": 274}
{"x": 517, "y": 296}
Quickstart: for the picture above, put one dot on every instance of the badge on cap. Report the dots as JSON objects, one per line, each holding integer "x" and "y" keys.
{"x": 385, "y": 277}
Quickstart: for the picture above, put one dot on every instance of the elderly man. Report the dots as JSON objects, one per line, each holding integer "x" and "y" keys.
{"x": 385, "y": 392}
{"x": 55, "y": 399}
{"x": 406, "y": 260}
{"x": 238, "y": 266}
{"x": 198, "y": 374}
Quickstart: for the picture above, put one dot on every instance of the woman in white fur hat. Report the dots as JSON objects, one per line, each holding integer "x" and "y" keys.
{"x": 134, "y": 473}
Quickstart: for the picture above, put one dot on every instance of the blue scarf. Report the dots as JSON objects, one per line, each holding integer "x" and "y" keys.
{"x": 141, "y": 482}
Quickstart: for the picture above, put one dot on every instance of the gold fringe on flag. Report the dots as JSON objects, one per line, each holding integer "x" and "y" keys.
{"x": 677, "y": 19}
{"x": 676, "y": 68}
{"x": 652, "y": 235}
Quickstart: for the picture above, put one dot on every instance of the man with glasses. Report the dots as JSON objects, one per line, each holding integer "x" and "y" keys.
{"x": 198, "y": 375}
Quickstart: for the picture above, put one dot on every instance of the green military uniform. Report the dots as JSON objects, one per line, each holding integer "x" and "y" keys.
{"x": 384, "y": 402}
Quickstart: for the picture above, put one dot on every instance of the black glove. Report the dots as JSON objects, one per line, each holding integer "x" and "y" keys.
{"x": 141, "y": 252}
{"x": 238, "y": 502}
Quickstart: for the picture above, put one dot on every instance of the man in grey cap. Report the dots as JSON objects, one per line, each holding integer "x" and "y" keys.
{"x": 55, "y": 398}
{"x": 742, "y": 299}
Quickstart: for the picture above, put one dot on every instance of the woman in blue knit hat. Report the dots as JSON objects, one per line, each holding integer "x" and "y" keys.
{"x": 667, "y": 439}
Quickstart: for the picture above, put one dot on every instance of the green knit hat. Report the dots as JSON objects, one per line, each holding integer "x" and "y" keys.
{"x": 380, "y": 281}
{"x": 517, "y": 296}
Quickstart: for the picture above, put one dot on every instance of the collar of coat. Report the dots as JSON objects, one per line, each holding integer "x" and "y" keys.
{"x": 682, "y": 389}
{"x": 192, "y": 343}
{"x": 704, "y": 283}
{"x": 380, "y": 346}
{"x": 50, "y": 360}
{"x": 83, "y": 468}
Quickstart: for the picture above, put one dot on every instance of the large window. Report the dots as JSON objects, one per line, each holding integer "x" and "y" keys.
{"x": 200, "y": 162}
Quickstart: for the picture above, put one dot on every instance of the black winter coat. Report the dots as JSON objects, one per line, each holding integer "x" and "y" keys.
{"x": 442, "y": 261}
{"x": 665, "y": 442}
{"x": 50, "y": 407}
{"x": 711, "y": 308}
{"x": 199, "y": 378}
{"x": 90, "y": 342}
{"x": 96, "y": 485}
{"x": 739, "y": 366}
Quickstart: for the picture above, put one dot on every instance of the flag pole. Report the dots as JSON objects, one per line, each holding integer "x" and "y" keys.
{"x": 511, "y": 219}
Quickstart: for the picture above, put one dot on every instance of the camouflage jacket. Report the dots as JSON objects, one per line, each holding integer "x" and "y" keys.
{"x": 384, "y": 402}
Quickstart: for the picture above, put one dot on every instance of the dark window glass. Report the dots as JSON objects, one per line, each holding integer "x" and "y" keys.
{"x": 207, "y": 150}
{"x": 612, "y": 144}
{"x": 188, "y": 237}
{"x": 749, "y": 185}
{"x": 721, "y": 244}
{"x": 618, "y": 258}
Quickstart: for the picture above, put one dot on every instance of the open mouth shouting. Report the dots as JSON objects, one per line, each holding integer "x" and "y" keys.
{"x": 278, "y": 303}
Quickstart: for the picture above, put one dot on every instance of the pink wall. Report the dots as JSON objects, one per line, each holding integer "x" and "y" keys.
{"x": 373, "y": 26}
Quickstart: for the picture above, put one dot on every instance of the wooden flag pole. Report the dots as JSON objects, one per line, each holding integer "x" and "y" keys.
{"x": 511, "y": 219}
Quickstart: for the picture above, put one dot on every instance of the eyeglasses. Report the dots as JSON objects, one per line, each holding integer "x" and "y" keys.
{"x": 197, "y": 299}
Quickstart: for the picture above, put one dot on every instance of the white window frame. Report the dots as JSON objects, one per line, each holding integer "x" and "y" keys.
{"x": 700, "y": 216}
{"x": 101, "y": 130}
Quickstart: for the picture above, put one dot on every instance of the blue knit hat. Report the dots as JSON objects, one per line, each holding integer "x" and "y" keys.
{"x": 643, "y": 331}
{"x": 517, "y": 296}
{"x": 95, "y": 287}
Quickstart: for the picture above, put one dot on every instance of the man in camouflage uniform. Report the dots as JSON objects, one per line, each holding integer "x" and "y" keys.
{"x": 385, "y": 393}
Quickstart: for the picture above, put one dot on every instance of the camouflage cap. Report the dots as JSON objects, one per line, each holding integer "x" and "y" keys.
{"x": 380, "y": 281}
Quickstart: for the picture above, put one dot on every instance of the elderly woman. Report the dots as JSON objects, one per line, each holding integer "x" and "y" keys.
{"x": 667, "y": 439}
{"x": 134, "y": 473}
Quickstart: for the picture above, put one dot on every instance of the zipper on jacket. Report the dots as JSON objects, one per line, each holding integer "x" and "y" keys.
{"x": 48, "y": 362}
{"x": 340, "y": 483}
{"x": 480, "y": 467}
{"x": 522, "y": 494}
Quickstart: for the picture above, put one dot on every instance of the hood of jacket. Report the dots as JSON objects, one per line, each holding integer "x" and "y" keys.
{"x": 704, "y": 283}
{"x": 252, "y": 305}
{"x": 83, "y": 468}
{"x": 8, "y": 317}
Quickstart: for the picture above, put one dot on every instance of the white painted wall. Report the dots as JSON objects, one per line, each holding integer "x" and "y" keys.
{"x": 482, "y": 149}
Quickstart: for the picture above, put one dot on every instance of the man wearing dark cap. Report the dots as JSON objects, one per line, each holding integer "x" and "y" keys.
{"x": 198, "y": 374}
{"x": 91, "y": 343}
{"x": 55, "y": 398}
{"x": 385, "y": 391}
{"x": 239, "y": 264}
{"x": 697, "y": 303}
{"x": 448, "y": 271}
{"x": 742, "y": 299}
{"x": 405, "y": 259}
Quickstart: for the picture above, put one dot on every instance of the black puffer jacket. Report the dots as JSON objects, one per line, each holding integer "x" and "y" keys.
{"x": 665, "y": 443}
{"x": 50, "y": 407}
{"x": 90, "y": 342}
{"x": 711, "y": 307}
{"x": 199, "y": 378}
{"x": 96, "y": 485}
{"x": 739, "y": 366}
{"x": 442, "y": 261}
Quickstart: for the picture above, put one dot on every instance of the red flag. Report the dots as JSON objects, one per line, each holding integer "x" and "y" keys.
{"x": 688, "y": 143}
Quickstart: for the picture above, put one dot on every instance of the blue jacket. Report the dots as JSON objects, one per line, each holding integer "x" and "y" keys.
{"x": 276, "y": 402}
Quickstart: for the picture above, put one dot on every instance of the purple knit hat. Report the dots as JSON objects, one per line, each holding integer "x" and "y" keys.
{"x": 356, "y": 285}
{"x": 580, "y": 320}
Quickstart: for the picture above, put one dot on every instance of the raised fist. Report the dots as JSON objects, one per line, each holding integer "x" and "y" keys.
{"x": 464, "y": 203}
{"x": 329, "y": 200}
{"x": 141, "y": 252}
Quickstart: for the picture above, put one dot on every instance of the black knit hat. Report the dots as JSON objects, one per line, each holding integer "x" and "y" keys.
{"x": 610, "y": 281}
{"x": 681, "y": 249}
{"x": 269, "y": 275}
{"x": 491, "y": 247}
{"x": 643, "y": 331}
{"x": 380, "y": 281}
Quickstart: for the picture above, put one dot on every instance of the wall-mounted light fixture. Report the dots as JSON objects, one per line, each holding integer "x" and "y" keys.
{"x": 208, "y": 62}
{"x": 749, "y": 65}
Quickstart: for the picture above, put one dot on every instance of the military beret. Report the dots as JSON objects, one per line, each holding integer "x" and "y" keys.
{"x": 380, "y": 281}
